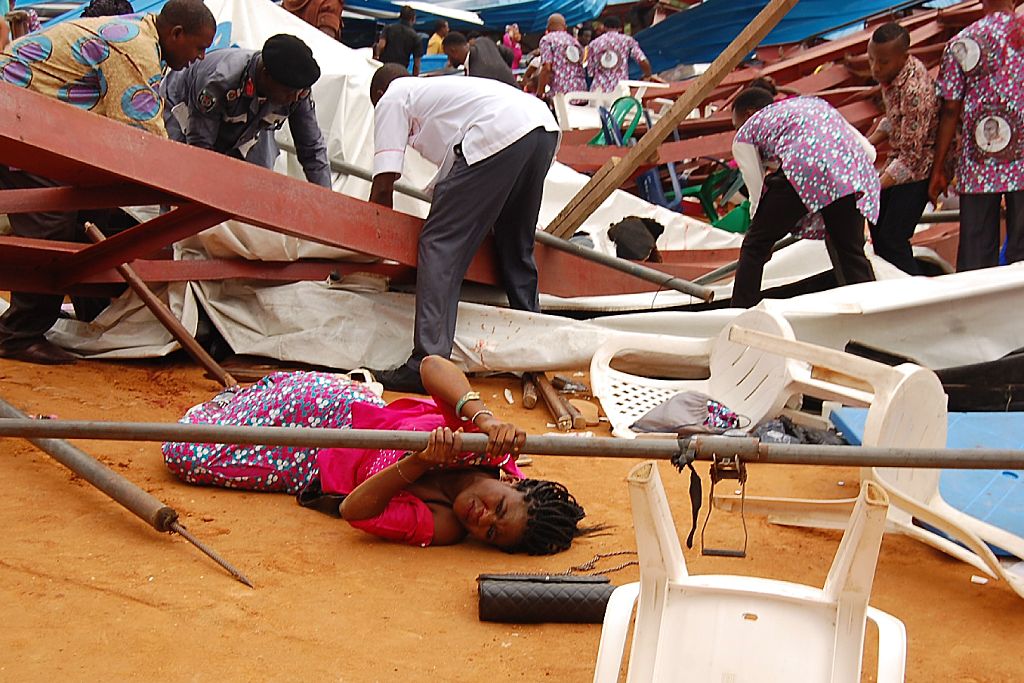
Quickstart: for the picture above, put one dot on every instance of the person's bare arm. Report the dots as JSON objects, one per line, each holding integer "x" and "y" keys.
{"x": 543, "y": 79}
{"x": 416, "y": 65}
{"x": 371, "y": 497}
{"x": 382, "y": 191}
{"x": 949, "y": 120}
{"x": 447, "y": 384}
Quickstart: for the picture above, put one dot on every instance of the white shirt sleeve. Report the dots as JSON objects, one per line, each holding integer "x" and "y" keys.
{"x": 749, "y": 161}
{"x": 390, "y": 135}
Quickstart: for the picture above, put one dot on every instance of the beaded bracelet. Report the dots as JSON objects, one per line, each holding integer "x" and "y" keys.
{"x": 466, "y": 398}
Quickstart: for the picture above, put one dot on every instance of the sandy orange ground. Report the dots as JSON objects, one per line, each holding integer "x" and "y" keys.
{"x": 88, "y": 592}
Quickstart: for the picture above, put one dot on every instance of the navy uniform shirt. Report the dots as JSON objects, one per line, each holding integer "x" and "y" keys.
{"x": 213, "y": 104}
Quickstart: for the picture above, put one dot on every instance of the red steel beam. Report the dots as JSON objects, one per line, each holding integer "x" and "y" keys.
{"x": 144, "y": 238}
{"x": 51, "y": 139}
{"x": 68, "y": 198}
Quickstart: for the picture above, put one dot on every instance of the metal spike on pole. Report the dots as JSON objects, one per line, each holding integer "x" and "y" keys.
{"x": 177, "y": 528}
{"x": 144, "y": 505}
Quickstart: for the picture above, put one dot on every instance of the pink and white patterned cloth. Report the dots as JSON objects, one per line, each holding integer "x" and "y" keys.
{"x": 319, "y": 400}
{"x": 822, "y": 155}
{"x": 608, "y": 60}
{"x": 563, "y": 52}
{"x": 283, "y": 399}
{"x": 983, "y": 67}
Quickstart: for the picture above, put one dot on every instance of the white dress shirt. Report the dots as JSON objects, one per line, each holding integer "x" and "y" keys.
{"x": 433, "y": 115}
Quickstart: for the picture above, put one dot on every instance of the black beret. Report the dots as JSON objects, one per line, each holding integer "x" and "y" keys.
{"x": 289, "y": 61}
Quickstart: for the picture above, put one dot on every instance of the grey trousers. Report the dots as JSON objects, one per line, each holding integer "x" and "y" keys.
{"x": 502, "y": 194}
{"x": 979, "y": 229}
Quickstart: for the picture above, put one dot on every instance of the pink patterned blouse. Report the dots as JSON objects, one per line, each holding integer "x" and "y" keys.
{"x": 983, "y": 66}
{"x": 822, "y": 155}
{"x": 608, "y": 60}
{"x": 564, "y": 54}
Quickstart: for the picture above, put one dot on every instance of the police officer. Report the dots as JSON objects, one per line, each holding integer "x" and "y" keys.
{"x": 232, "y": 101}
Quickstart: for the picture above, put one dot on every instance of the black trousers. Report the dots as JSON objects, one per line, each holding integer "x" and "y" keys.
{"x": 979, "y": 229}
{"x": 500, "y": 193}
{"x": 778, "y": 213}
{"x": 31, "y": 314}
{"x": 899, "y": 214}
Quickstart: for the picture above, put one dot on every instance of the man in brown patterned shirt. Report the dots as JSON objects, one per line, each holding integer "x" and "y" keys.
{"x": 910, "y": 122}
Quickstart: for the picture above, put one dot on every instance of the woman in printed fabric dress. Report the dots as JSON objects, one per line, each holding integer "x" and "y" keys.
{"x": 436, "y": 496}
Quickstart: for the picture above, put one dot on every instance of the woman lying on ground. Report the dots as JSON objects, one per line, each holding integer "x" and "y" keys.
{"x": 437, "y": 496}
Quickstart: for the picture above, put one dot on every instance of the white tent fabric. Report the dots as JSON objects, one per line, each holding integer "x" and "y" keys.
{"x": 943, "y": 321}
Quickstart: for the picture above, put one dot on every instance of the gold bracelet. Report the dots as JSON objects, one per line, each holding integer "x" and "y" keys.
{"x": 398, "y": 468}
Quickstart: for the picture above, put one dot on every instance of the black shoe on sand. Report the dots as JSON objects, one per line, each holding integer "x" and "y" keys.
{"x": 403, "y": 378}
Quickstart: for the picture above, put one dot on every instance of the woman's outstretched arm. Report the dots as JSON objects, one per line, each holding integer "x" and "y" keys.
{"x": 448, "y": 385}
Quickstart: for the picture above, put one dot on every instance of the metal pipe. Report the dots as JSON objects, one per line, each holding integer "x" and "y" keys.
{"x": 949, "y": 216}
{"x": 663, "y": 280}
{"x": 729, "y": 268}
{"x": 166, "y": 317}
{"x": 659, "y": 449}
{"x": 142, "y": 504}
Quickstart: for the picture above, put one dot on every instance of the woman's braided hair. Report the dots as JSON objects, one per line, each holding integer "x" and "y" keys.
{"x": 552, "y": 516}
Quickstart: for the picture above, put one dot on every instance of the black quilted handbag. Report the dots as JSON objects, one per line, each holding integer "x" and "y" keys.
{"x": 539, "y": 598}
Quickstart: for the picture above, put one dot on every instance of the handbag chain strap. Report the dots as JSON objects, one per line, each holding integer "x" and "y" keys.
{"x": 589, "y": 568}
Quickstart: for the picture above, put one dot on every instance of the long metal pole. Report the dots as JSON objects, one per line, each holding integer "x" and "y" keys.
{"x": 663, "y": 280}
{"x": 166, "y": 317}
{"x": 729, "y": 268}
{"x": 142, "y": 504}
{"x": 704, "y": 447}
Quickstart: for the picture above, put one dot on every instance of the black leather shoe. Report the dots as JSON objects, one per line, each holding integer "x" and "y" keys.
{"x": 403, "y": 378}
{"x": 38, "y": 351}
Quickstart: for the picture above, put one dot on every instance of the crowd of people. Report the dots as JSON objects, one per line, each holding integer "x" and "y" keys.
{"x": 809, "y": 172}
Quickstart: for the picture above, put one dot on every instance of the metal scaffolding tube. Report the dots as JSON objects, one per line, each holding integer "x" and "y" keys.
{"x": 704, "y": 447}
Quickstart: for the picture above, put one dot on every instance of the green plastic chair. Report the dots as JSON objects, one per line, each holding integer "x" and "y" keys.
{"x": 736, "y": 221}
{"x": 620, "y": 109}
{"x": 707, "y": 192}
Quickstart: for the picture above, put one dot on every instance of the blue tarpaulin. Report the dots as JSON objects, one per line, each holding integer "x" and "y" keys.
{"x": 698, "y": 35}
{"x": 531, "y": 15}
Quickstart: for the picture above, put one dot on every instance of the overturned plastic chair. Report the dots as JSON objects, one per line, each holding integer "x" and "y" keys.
{"x": 906, "y": 409}
{"x": 739, "y": 628}
{"x": 757, "y": 383}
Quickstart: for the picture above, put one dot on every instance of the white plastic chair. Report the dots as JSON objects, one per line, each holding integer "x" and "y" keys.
{"x": 739, "y": 628}
{"x": 907, "y": 409}
{"x": 758, "y": 368}
{"x": 573, "y": 116}
{"x": 756, "y": 383}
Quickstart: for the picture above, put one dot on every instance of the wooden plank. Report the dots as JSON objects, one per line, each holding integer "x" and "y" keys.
{"x": 597, "y": 190}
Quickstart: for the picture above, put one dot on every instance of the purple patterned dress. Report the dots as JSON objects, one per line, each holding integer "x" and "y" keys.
{"x": 283, "y": 399}
{"x": 822, "y": 155}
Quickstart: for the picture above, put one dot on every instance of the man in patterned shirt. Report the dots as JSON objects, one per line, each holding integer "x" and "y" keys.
{"x": 824, "y": 188}
{"x": 608, "y": 58}
{"x": 980, "y": 87}
{"x": 911, "y": 117}
{"x": 110, "y": 66}
{"x": 561, "y": 59}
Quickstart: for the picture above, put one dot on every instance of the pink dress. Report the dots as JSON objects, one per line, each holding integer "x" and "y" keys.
{"x": 517, "y": 50}
{"x": 406, "y": 518}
